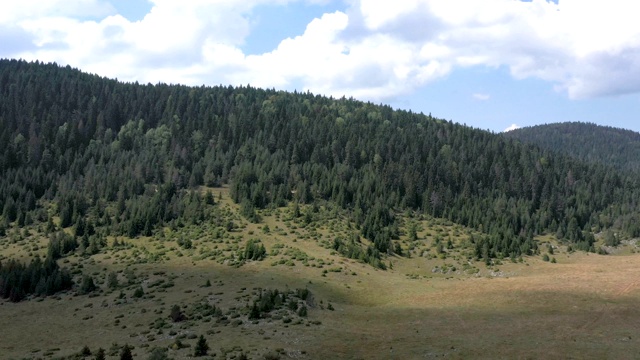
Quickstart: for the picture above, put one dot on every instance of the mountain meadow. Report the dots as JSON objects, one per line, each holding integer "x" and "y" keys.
{"x": 164, "y": 221}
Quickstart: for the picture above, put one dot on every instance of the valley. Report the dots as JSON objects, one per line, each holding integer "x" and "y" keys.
{"x": 582, "y": 306}
{"x": 174, "y": 222}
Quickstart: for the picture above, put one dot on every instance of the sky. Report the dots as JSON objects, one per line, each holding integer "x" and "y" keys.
{"x": 489, "y": 64}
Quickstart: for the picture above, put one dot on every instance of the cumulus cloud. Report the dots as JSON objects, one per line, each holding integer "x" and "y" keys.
{"x": 511, "y": 128}
{"x": 372, "y": 50}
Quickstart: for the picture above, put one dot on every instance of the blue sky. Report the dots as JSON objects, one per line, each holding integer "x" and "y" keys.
{"x": 490, "y": 64}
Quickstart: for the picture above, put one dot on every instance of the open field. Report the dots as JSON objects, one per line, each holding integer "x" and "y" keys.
{"x": 585, "y": 306}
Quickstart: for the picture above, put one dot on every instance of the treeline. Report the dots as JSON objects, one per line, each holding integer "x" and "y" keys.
{"x": 39, "y": 278}
{"x": 127, "y": 158}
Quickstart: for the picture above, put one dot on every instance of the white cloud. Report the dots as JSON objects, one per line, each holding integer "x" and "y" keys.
{"x": 373, "y": 50}
{"x": 511, "y": 128}
{"x": 481, "y": 97}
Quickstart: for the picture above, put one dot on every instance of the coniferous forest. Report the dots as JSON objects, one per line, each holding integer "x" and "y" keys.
{"x": 106, "y": 157}
{"x": 591, "y": 143}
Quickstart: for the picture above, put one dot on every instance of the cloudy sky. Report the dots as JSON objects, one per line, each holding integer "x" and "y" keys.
{"x": 491, "y": 64}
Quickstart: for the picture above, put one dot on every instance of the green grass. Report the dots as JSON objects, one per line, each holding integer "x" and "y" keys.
{"x": 428, "y": 305}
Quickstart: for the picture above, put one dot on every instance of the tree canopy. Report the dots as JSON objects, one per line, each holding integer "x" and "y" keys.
{"x": 124, "y": 158}
{"x": 592, "y": 143}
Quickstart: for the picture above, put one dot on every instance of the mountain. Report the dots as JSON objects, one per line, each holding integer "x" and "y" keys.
{"x": 106, "y": 157}
{"x": 587, "y": 142}
{"x": 165, "y": 221}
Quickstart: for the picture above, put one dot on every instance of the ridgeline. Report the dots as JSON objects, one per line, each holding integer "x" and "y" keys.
{"x": 591, "y": 143}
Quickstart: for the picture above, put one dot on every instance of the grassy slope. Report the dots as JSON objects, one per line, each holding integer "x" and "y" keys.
{"x": 582, "y": 307}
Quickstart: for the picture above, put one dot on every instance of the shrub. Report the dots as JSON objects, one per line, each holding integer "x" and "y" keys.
{"x": 138, "y": 293}
{"x": 158, "y": 354}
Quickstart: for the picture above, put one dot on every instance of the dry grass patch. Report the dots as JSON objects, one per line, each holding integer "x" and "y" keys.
{"x": 426, "y": 306}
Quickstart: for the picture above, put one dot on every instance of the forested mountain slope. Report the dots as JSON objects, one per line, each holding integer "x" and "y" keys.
{"x": 587, "y": 142}
{"x": 120, "y": 158}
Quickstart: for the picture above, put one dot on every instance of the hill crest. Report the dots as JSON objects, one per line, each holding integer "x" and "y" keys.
{"x": 587, "y": 142}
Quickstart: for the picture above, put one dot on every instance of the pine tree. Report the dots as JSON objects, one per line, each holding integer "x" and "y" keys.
{"x": 125, "y": 353}
{"x": 176, "y": 314}
{"x": 100, "y": 354}
{"x": 413, "y": 232}
{"x": 255, "y": 312}
{"x": 202, "y": 348}
{"x": 87, "y": 285}
{"x": 85, "y": 351}
{"x": 112, "y": 280}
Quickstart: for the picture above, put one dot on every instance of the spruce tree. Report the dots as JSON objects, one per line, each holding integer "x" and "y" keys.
{"x": 100, "y": 354}
{"x": 125, "y": 353}
{"x": 112, "y": 280}
{"x": 87, "y": 285}
{"x": 202, "y": 348}
{"x": 85, "y": 351}
{"x": 176, "y": 314}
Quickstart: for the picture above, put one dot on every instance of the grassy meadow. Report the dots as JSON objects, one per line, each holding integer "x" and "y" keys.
{"x": 433, "y": 302}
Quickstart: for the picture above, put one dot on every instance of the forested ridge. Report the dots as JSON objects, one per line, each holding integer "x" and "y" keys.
{"x": 108, "y": 157}
{"x": 591, "y": 143}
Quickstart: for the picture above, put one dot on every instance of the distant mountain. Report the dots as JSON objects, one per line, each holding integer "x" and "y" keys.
{"x": 587, "y": 142}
